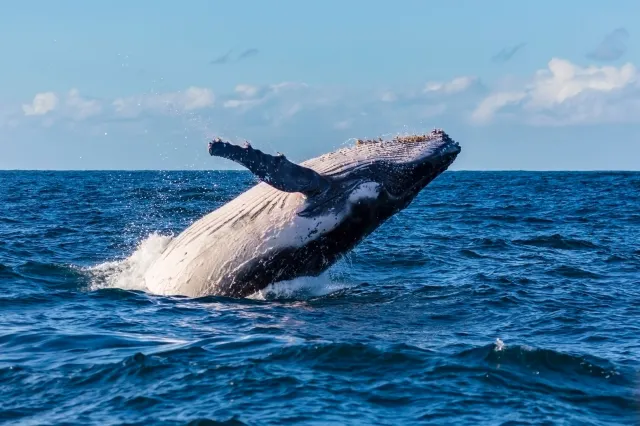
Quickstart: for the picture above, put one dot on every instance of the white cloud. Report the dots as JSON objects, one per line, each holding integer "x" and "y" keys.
{"x": 247, "y": 107}
{"x": 388, "y": 97}
{"x": 280, "y": 101}
{"x": 241, "y": 103}
{"x": 287, "y": 85}
{"x": 42, "y": 104}
{"x": 435, "y": 98}
{"x": 494, "y": 102}
{"x": 564, "y": 80}
{"x": 246, "y": 90}
{"x": 193, "y": 98}
{"x": 254, "y": 106}
{"x": 81, "y": 108}
{"x": 457, "y": 85}
{"x": 74, "y": 106}
{"x": 252, "y": 95}
{"x": 565, "y": 92}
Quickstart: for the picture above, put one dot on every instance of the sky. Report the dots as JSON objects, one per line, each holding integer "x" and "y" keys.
{"x": 545, "y": 85}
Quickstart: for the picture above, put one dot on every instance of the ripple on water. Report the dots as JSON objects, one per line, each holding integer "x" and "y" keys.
{"x": 557, "y": 241}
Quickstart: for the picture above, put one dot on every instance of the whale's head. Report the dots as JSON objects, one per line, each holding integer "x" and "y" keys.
{"x": 399, "y": 168}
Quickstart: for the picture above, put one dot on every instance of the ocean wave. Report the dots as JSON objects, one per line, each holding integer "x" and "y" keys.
{"x": 7, "y": 272}
{"x": 556, "y": 241}
{"x": 58, "y": 231}
{"x": 534, "y": 219}
{"x": 540, "y": 361}
{"x": 556, "y": 368}
{"x": 231, "y": 421}
{"x": 573, "y": 272}
{"x": 471, "y": 254}
{"x": 49, "y": 274}
{"x": 360, "y": 356}
{"x": 398, "y": 375}
{"x": 493, "y": 243}
{"x": 9, "y": 221}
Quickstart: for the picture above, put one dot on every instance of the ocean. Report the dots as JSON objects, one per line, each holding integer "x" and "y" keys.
{"x": 495, "y": 298}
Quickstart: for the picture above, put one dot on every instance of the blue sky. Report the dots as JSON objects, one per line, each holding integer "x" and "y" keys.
{"x": 541, "y": 85}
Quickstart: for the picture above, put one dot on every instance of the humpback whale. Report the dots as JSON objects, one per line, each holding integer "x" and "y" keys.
{"x": 300, "y": 218}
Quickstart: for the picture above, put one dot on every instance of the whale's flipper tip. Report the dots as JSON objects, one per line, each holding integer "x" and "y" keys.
{"x": 275, "y": 170}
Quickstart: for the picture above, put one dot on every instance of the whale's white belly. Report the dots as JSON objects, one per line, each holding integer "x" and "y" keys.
{"x": 212, "y": 249}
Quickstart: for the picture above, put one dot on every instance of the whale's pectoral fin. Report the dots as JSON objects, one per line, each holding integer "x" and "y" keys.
{"x": 275, "y": 170}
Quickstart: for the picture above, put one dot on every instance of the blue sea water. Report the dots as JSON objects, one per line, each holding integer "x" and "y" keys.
{"x": 495, "y": 298}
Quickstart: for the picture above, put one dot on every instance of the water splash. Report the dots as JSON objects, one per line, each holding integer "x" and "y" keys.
{"x": 128, "y": 274}
{"x": 300, "y": 288}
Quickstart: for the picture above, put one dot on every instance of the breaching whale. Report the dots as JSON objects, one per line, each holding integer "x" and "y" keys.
{"x": 301, "y": 218}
